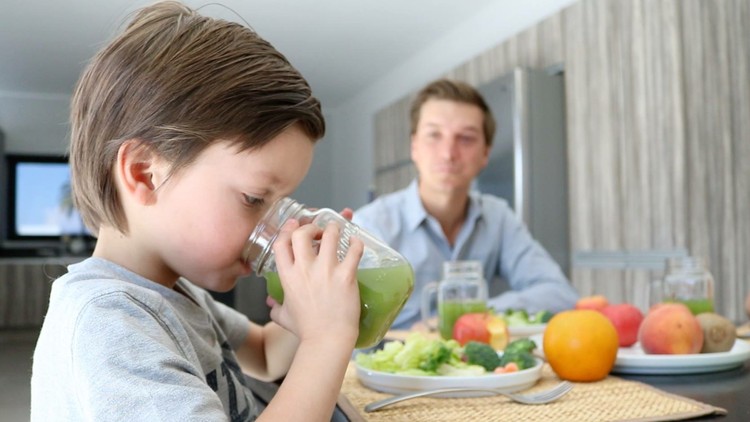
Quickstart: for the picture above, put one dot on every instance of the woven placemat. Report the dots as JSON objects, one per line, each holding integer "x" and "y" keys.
{"x": 612, "y": 399}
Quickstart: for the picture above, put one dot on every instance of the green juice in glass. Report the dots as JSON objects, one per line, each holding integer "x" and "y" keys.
{"x": 696, "y": 306}
{"x": 450, "y": 310}
{"x": 382, "y": 293}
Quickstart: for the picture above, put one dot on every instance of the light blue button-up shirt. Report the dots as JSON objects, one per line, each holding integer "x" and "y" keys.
{"x": 515, "y": 265}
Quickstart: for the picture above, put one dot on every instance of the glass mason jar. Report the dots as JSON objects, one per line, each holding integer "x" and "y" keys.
{"x": 384, "y": 277}
{"x": 461, "y": 291}
{"x": 689, "y": 282}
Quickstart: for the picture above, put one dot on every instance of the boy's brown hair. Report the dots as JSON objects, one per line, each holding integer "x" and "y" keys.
{"x": 177, "y": 81}
{"x": 446, "y": 89}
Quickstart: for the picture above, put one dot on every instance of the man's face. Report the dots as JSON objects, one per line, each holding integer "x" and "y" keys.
{"x": 448, "y": 146}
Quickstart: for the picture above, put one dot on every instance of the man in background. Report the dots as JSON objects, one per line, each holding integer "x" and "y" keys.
{"x": 439, "y": 218}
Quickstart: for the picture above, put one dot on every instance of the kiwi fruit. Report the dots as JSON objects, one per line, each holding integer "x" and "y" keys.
{"x": 718, "y": 332}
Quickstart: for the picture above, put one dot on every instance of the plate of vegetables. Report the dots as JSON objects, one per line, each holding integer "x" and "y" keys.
{"x": 522, "y": 324}
{"x": 420, "y": 363}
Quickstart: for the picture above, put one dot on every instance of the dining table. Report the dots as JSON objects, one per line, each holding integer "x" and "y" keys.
{"x": 722, "y": 395}
{"x": 729, "y": 390}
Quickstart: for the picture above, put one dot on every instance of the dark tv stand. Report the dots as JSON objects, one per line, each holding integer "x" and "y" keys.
{"x": 82, "y": 247}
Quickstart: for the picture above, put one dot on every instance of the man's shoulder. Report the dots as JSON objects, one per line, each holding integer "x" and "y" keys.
{"x": 490, "y": 200}
{"x": 393, "y": 202}
{"x": 384, "y": 216}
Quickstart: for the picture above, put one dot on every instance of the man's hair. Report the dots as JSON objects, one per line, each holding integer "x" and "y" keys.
{"x": 446, "y": 89}
{"x": 177, "y": 81}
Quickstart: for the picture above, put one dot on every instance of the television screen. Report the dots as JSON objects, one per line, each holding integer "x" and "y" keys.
{"x": 39, "y": 199}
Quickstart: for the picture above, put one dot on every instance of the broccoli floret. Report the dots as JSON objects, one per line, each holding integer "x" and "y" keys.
{"x": 521, "y": 345}
{"x": 524, "y": 360}
{"x": 481, "y": 354}
{"x": 516, "y": 317}
{"x": 542, "y": 317}
{"x": 438, "y": 354}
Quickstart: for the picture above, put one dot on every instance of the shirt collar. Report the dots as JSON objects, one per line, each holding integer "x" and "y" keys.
{"x": 415, "y": 213}
{"x": 475, "y": 206}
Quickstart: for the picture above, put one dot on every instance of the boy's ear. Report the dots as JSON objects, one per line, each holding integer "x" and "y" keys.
{"x": 139, "y": 170}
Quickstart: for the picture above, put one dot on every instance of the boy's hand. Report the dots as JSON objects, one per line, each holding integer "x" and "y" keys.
{"x": 321, "y": 296}
{"x": 347, "y": 213}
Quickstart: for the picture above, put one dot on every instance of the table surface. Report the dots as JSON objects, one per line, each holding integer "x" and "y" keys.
{"x": 725, "y": 389}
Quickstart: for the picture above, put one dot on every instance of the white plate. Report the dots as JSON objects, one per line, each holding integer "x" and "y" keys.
{"x": 397, "y": 384}
{"x": 526, "y": 330}
{"x": 633, "y": 360}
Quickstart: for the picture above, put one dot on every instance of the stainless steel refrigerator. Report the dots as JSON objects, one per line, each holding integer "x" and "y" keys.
{"x": 528, "y": 161}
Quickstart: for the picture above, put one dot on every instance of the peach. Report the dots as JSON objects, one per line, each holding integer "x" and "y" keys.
{"x": 670, "y": 329}
{"x": 596, "y": 302}
{"x": 627, "y": 320}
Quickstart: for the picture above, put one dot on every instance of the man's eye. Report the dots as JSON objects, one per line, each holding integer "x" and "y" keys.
{"x": 468, "y": 139}
{"x": 253, "y": 201}
{"x": 433, "y": 136}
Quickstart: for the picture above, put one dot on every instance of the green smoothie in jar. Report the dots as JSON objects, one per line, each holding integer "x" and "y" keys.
{"x": 450, "y": 310}
{"x": 382, "y": 293}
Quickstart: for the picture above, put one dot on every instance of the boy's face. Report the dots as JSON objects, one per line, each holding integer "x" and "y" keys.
{"x": 205, "y": 213}
{"x": 448, "y": 146}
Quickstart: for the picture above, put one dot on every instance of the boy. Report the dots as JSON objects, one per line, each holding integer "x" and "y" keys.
{"x": 184, "y": 130}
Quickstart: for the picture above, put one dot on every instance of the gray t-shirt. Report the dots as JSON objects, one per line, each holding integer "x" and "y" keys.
{"x": 116, "y": 346}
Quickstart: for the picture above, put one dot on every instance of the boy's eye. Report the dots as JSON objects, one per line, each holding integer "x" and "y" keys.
{"x": 253, "y": 201}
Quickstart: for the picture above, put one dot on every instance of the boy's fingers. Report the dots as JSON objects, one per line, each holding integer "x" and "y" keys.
{"x": 329, "y": 243}
{"x": 302, "y": 242}
{"x": 354, "y": 254}
{"x": 347, "y": 213}
{"x": 282, "y": 246}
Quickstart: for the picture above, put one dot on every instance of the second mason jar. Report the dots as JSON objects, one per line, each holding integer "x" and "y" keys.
{"x": 688, "y": 281}
{"x": 384, "y": 277}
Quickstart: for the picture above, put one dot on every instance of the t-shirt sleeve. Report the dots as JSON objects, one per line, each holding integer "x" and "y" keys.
{"x": 233, "y": 323}
{"x": 128, "y": 364}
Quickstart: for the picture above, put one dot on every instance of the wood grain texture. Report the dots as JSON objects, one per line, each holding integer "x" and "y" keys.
{"x": 658, "y": 127}
{"x": 24, "y": 291}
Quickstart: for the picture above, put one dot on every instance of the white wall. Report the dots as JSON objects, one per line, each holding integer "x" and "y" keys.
{"x": 34, "y": 123}
{"x": 317, "y": 188}
{"x": 342, "y": 171}
{"x": 353, "y": 129}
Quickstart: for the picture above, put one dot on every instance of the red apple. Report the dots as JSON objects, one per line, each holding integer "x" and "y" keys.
{"x": 596, "y": 302}
{"x": 483, "y": 327}
{"x": 627, "y": 319}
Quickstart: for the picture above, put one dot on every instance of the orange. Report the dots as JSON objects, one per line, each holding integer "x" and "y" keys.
{"x": 580, "y": 345}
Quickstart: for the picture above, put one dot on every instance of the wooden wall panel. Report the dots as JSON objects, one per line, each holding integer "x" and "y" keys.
{"x": 25, "y": 286}
{"x": 658, "y": 126}
{"x": 712, "y": 219}
{"x": 738, "y": 32}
